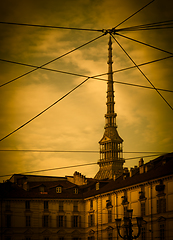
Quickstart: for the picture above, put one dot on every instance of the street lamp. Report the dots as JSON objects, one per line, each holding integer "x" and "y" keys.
{"x": 128, "y": 226}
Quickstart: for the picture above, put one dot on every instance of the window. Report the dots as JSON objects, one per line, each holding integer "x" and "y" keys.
{"x": 7, "y": 238}
{"x": 27, "y": 205}
{"x": 75, "y": 206}
{"x": 162, "y": 232}
{"x": 46, "y": 238}
{"x": 61, "y": 238}
{"x": 91, "y": 204}
{"x": 91, "y": 220}
{"x": 45, "y": 220}
{"x": 41, "y": 189}
{"x": 161, "y": 205}
{"x": 61, "y": 221}
{"x": 91, "y": 238}
{"x": 61, "y": 206}
{"x": 7, "y": 206}
{"x": 97, "y": 186}
{"x": 27, "y": 238}
{"x": 110, "y": 236}
{"x": 45, "y": 205}
{"x": 75, "y": 190}
{"x": 8, "y": 221}
{"x": 75, "y": 221}
{"x": 142, "y": 209}
{"x": 58, "y": 189}
{"x": 109, "y": 216}
{"x": 143, "y": 233}
{"x": 28, "y": 221}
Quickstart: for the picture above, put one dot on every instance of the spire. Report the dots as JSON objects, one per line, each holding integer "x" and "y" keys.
{"x": 111, "y": 161}
{"x": 110, "y": 115}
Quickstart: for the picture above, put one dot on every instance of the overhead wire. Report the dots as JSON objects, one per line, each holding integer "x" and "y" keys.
{"x": 44, "y": 110}
{"x": 142, "y": 72}
{"x": 95, "y": 76}
{"x": 50, "y": 26}
{"x": 78, "y": 165}
{"x": 133, "y": 14}
{"x": 67, "y": 151}
{"x": 149, "y": 26}
{"x": 53, "y": 60}
{"x": 146, "y": 44}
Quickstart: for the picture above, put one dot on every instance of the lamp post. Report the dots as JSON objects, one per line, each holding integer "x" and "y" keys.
{"x": 128, "y": 226}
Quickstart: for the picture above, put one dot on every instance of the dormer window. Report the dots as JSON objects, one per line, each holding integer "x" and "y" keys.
{"x": 58, "y": 189}
{"x": 97, "y": 186}
{"x": 41, "y": 188}
{"x": 75, "y": 190}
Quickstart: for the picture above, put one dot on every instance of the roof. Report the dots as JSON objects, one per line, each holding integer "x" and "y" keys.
{"x": 155, "y": 169}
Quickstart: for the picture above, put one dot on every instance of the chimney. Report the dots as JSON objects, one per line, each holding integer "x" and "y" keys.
{"x": 141, "y": 166}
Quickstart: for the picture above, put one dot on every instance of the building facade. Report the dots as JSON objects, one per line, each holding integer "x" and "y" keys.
{"x": 45, "y": 208}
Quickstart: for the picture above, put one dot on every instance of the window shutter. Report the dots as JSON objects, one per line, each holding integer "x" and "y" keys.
{"x": 57, "y": 221}
{"x": 93, "y": 220}
{"x": 72, "y": 221}
{"x": 49, "y": 221}
{"x": 164, "y": 205}
{"x": 89, "y": 224}
{"x": 65, "y": 222}
{"x": 43, "y": 221}
{"x": 79, "y": 221}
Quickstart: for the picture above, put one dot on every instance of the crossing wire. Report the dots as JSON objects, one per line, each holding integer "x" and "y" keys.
{"x": 149, "y": 26}
{"x": 142, "y": 72}
{"x": 44, "y": 110}
{"x": 134, "y": 14}
{"x": 53, "y": 60}
{"x": 96, "y": 76}
{"x": 78, "y": 165}
{"x": 50, "y": 26}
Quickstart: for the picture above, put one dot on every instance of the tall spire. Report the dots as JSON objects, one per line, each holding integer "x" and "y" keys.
{"x": 111, "y": 161}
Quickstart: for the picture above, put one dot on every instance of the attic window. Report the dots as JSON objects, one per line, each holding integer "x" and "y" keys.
{"x": 97, "y": 186}
{"x": 41, "y": 188}
{"x": 75, "y": 190}
{"x": 58, "y": 189}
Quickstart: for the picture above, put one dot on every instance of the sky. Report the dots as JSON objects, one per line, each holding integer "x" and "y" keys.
{"x": 76, "y": 123}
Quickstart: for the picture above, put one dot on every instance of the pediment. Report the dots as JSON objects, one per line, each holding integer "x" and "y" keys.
{"x": 161, "y": 218}
{"x": 61, "y": 232}
{"x": 109, "y": 228}
{"x": 46, "y": 232}
{"x": 76, "y": 233}
{"x": 105, "y": 139}
{"x": 91, "y": 232}
{"x": 28, "y": 232}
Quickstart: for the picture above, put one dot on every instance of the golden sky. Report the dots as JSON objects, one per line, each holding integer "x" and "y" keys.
{"x": 77, "y": 122}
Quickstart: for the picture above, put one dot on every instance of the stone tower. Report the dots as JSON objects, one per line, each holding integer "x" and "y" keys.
{"x": 111, "y": 161}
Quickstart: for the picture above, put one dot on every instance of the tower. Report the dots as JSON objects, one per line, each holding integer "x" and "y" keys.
{"x": 111, "y": 161}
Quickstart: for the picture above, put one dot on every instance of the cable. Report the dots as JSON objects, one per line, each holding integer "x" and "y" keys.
{"x": 144, "y": 43}
{"x": 53, "y": 60}
{"x": 142, "y": 72}
{"x": 80, "y": 165}
{"x": 133, "y": 14}
{"x": 149, "y": 26}
{"x": 96, "y": 76}
{"x": 45, "y": 110}
{"x": 64, "y": 151}
{"x": 50, "y": 26}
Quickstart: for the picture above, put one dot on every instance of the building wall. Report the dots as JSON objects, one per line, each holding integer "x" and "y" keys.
{"x": 153, "y": 221}
{"x": 104, "y": 208}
